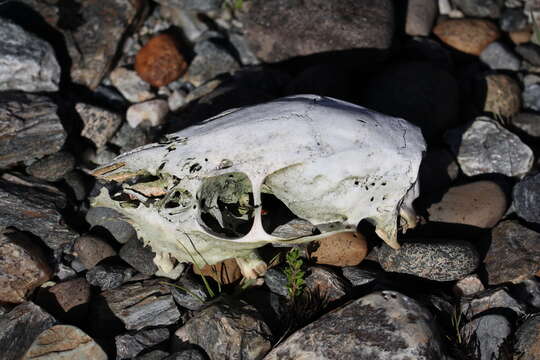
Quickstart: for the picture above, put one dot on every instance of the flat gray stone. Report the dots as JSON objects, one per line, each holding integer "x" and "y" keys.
{"x": 489, "y": 300}
{"x": 488, "y": 332}
{"x": 130, "y": 345}
{"x": 27, "y": 63}
{"x": 498, "y": 57}
{"x": 526, "y": 196}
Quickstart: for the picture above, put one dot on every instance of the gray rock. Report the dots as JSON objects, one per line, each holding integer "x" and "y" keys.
{"x": 434, "y": 259}
{"x": 130, "y": 85}
{"x": 227, "y": 332}
{"x": 469, "y": 285}
{"x": 420, "y": 17}
{"x": 392, "y": 326}
{"x": 30, "y": 127}
{"x": 94, "y": 32}
{"x": 27, "y": 63}
{"x": 513, "y": 20}
{"x": 526, "y": 195}
{"x": 488, "y": 333}
{"x": 130, "y": 345}
{"x": 147, "y": 114}
{"x": 498, "y": 57}
{"x": 189, "y": 354}
{"x": 280, "y": 29}
{"x": 193, "y": 5}
{"x": 64, "y": 272}
{"x": 212, "y": 59}
{"x": 64, "y": 342}
{"x": 32, "y": 207}
{"x": 531, "y": 97}
{"x": 99, "y": 124}
{"x": 139, "y": 256}
{"x": 245, "y": 54}
{"x": 143, "y": 304}
{"x": 155, "y": 355}
{"x": 359, "y": 277}
{"x": 53, "y": 167}
{"x": 528, "y": 339}
{"x": 484, "y": 147}
{"x": 514, "y": 253}
{"x": 189, "y": 294}
{"x": 20, "y": 327}
{"x": 23, "y": 266}
{"x": 193, "y": 27}
{"x": 128, "y": 138}
{"x": 108, "y": 276}
{"x": 76, "y": 181}
{"x": 325, "y": 283}
{"x": 433, "y": 114}
{"x": 530, "y": 52}
{"x": 109, "y": 219}
{"x": 528, "y": 292}
{"x": 90, "y": 250}
{"x": 493, "y": 299}
{"x": 276, "y": 281}
{"x": 529, "y": 123}
{"x": 480, "y": 8}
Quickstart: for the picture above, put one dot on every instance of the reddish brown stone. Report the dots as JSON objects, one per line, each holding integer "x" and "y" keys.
{"x": 225, "y": 272}
{"x": 159, "y": 62}
{"x": 344, "y": 249}
{"x": 71, "y": 293}
{"x": 468, "y": 35}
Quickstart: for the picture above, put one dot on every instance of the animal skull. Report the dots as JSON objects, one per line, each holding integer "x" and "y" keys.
{"x": 199, "y": 196}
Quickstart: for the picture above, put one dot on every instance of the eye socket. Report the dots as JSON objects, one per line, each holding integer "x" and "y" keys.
{"x": 226, "y": 204}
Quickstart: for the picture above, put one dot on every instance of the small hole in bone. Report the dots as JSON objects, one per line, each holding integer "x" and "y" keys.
{"x": 226, "y": 204}
{"x": 356, "y": 182}
{"x": 372, "y": 198}
{"x": 278, "y": 220}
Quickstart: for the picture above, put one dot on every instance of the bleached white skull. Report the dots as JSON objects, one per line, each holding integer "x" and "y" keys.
{"x": 223, "y": 188}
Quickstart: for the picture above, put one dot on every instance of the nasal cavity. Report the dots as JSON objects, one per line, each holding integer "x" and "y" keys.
{"x": 226, "y": 204}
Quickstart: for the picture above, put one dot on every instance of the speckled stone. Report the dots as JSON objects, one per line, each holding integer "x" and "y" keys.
{"x": 527, "y": 336}
{"x": 526, "y": 195}
{"x": 441, "y": 260}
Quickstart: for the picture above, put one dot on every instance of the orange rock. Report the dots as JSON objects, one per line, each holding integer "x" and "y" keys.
{"x": 468, "y": 35}
{"x": 344, "y": 249}
{"x": 521, "y": 36}
{"x": 159, "y": 62}
{"x": 225, "y": 272}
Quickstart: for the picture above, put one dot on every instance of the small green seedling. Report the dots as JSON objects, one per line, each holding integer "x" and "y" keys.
{"x": 295, "y": 274}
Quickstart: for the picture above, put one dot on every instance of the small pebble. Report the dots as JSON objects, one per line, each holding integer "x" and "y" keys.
{"x": 471, "y": 36}
{"x": 90, "y": 250}
{"x": 469, "y": 285}
{"x": 130, "y": 85}
{"x": 498, "y": 57}
{"x": 152, "y": 112}
{"x": 530, "y": 52}
{"x": 503, "y": 96}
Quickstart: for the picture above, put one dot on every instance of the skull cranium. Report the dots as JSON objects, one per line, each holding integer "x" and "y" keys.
{"x": 199, "y": 196}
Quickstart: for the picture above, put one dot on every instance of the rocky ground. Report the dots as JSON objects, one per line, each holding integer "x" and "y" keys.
{"x": 83, "y": 81}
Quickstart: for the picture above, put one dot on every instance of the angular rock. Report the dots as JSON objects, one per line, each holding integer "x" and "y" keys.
{"x": 130, "y": 85}
{"x": 139, "y": 256}
{"x": 434, "y": 259}
{"x": 470, "y": 36}
{"x": 276, "y": 281}
{"x": 359, "y": 277}
{"x": 64, "y": 342}
{"x": 128, "y": 138}
{"x": 485, "y": 147}
{"x": 189, "y": 293}
{"x": 90, "y": 250}
{"x": 392, "y": 326}
{"x": 531, "y": 97}
{"x": 343, "y": 249}
{"x": 434, "y": 116}
{"x": 212, "y": 59}
{"x": 159, "y": 62}
{"x": 30, "y": 207}
{"x": 526, "y": 195}
{"x": 480, "y": 203}
{"x": 23, "y": 267}
{"x": 109, "y": 219}
{"x": 52, "y": 167}
{"x": 420, "y": 17}
{"x": 513, "y": 20}
{"x": 144, "y": 304}
{"x": 20, "y": 327}
{"x": 99, "y": 124}
{"x": 469, "y": 285}
{"x": 521, "y": 36}
{"x": 514, "y": 253}
{"x": 325, "y": 283}
{"x": 93, "y": 32}
{"x": 27, "y": 63}
{"x": 528, "y": 339}
{"x": 489, "y": 300}
{"x": 227, "y": 332}
{"x": 130, "y": 345}
{"x": 280, "y": 29}
{"x": 149, "y": 113}
{"x": 109, "y": 276}
{"x": 488, "y": 333}
{"x": 225, "y": 272}
{"x": 530, "y": 52}
{"x": 529, "y": 123}
{"x": 71, "y": 299}
{"x": 498, "y": 57}
{"x": 30, "y": 127}
{"x": 480, "y": 8}
{"x": 503, "y": 96}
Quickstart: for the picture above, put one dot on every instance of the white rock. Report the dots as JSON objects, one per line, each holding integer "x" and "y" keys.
{"x": 153, "y": 112}
{"x": 130, "y": 85}
{"x": 176, "y": 100}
